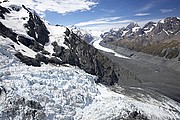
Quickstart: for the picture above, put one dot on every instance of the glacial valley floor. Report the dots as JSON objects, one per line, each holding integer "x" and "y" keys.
{"x": 154, "y": 75}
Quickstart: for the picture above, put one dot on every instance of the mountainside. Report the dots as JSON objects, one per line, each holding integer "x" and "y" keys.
{"x": 160, "y": 39}
{"x": 36, "y": 41}
{"x": 50, "y": 73}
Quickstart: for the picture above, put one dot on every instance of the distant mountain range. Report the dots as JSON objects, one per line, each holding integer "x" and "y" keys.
{"x": 160, "y": 39}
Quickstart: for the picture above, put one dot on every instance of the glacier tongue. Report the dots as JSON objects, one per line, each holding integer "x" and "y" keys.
{"x": 67, "y": 93}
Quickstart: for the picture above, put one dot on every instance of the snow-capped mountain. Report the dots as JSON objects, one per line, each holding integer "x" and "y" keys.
{"x": 164, "y": 33}
{"x": 49, "y": 73}
{"x": 83, "y": 34}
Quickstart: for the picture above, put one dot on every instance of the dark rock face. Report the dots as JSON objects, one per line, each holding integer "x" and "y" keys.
{"x": 32, "y": 44}
{"x": 3, "y": 11}
{"x": 37, "y": 28}
{"x": 133, "y": 116}
{"x": 88, "y": 58}
{"x": 23, "y": 109}
{"x": 6, "y": 32}
{"x": 25, "y": 41}
{"x": 33, "y": 104}
{"x": 28, "y": 60}
{"x": 15, "y": 7}
{"x": 136, "y": 116}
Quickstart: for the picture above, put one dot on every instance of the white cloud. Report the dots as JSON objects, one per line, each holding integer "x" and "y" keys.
{"x": 108, "y": 11}
{"x": 142, "y": 14}
{"x": 147, "y": 7}
{"x": 166, "y": 10}
{"x": 59, "y": 6}
{"x": 97, "y": 21}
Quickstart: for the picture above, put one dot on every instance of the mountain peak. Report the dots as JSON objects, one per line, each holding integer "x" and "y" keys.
{"x": 132, "y": 25}
{"x": 151, "y": 23}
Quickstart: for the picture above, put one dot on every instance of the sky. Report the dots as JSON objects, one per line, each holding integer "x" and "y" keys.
{"x": 102, "y": 15}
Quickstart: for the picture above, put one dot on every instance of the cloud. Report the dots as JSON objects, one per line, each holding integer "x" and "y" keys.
{"x": 108, "y": 11}
{"x": 142, "y": 14}
{"x": 166, "y": 10}
{"x": 59, "y": 6}
{"x": 149, "y": 6}
{"x": 98, "y": 21}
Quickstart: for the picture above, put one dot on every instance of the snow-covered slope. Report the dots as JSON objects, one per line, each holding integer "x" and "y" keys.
{"x": 56, "y": 35}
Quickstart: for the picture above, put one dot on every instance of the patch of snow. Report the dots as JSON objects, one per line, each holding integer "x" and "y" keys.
{"x": 147, "y": 31}
{"x": 115, "y": 29}
{"x": 135, "y": 29}
{"x": 170, "y": 31}
{"x": 162, "y": 21}
{"x": 25, "y": 50}
{"x": 124, "y": 33}
{"x": 166, "y": 32}
{"x": 16, "y": 20}
{"x": 56, "y": 35}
